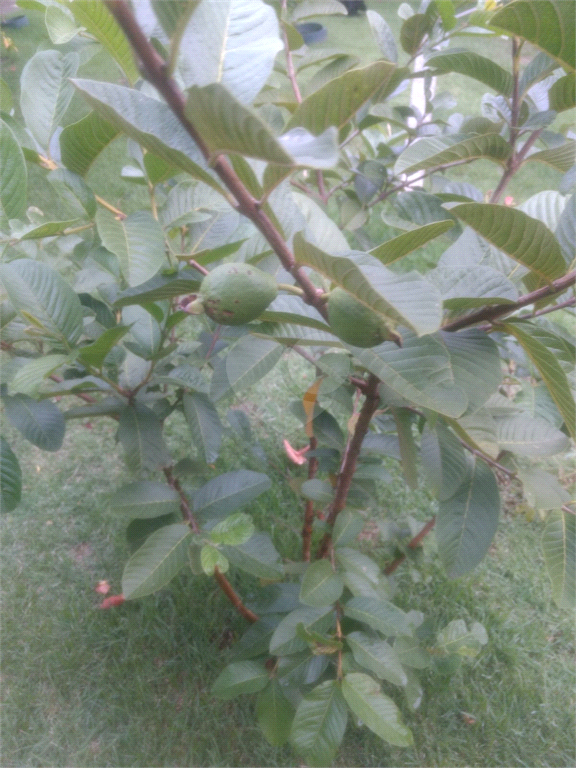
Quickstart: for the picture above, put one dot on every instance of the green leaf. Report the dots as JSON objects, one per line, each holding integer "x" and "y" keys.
{"x": 338, "y": 101}
{"x": 530, "y": 436}
{"x": 240, "y": 677}
{"x": 383, "y": 35}
{"x": 82, "y": 142}
{"x": 174, "y": 15}
{"x": 233, "y": 530}
{"x": 317, "y": 490}
{"x": 457, "y": 638}
{"x": 160, "y": 287}
{"x": 378, "y": 656}
{"x": 559, "y": 545}
{"x": 549, "y": 368}
{"x": 320, "y": 585}
{"x": 356, "y": 562}
{"x": 140, "y": 433}
{"x": 46, "y": 92}
{"x": 211, "y": 558}
{"x": 60, "y": 25}
{"x": 257, "y": 556}
{"x": 6, "y": 100}
{"x": 145, "y": 499}
{"x": 204, "y": 423}
{"x": 44, "y": 298}
{"x": 149, "y": 122}
{"x": 72, "y": 188}
{"x": 467, "y": 521}
{"x": 443, "y": 460}
{"x": 137, "y": 241}
{"x": 437, "y": 151}
{"x": 472, "y": 286}
{"x": 94, "y": 354}
{"x": 403, "y": 422}
{"x": 548, "y": 24}
{"x": 145, "y": 330}
{"x": 475, "y": 364}
{"x": 99, "y": 22}
{"x": 306, "y": 149}
{"x": 542, "y": 490}
{"x": 561, "y": 158}
{"x": 521, "y": 237}
{"x": 420, "y": 373}
{"x": 40, "y": 422}
{"x": 291, "y": 309}
{"x": 308, "y": 8}
{"x": 226, "y": 125}
{"x": 381, "y": 615}
{"x": 394, "y": 249}
{"x": 48, "y": 229}
{"x": 14, "y": 176}
{"x": 562, "y": 94}
{"x": 285, "y": 641}
{"x": 375, "y": 710}
{"x": 566, "y": 230}
{"x": 413, "y": 31}
{"x": 246, "y": 364}
{"x": 347, "y": 527}
{"x": 32, "y": 374}
{"x": 474, "y": 65}
{"x": 10, "y": 478}
{"x": 233, "y": 42}
{"x": 274, "y": 714}
{"x": 157, "y": 561}
{"x": 411, "y": 654}
{"x": 225, "y": 493}
{"x": 319, "y": 724}
{"x": 407, "y": 299}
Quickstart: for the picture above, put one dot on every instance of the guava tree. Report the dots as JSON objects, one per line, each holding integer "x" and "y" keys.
{"x": 270, "y": 168}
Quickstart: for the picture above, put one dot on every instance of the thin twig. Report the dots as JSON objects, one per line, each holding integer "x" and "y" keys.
{"x": 489, "y": 314}
{"x": 309, "y": 510}
{"x": 228, "y": 590}
{"x": 413, "y": 543}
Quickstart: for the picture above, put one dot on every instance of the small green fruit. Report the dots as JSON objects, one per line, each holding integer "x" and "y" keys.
{"x": 234, "y": 294}
{"x": 354, "y": 323}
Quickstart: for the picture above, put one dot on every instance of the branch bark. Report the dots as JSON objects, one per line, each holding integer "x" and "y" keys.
{"x": 348, "y": 467}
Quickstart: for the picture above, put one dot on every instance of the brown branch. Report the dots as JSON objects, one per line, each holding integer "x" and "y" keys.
{"x": 489, "y": 314}
{"x": 568, "y": 303}
{"x": 309, "y": 510}
{"x": 153, "y": 67}
{"x": 371, "y": 403}
{"x": 185, "y": 508}
{"x": 413, "y": 543}
{"x": 228, "y": 590}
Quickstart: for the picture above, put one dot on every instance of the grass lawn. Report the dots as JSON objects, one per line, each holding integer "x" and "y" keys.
{"x": 131, "y": 686}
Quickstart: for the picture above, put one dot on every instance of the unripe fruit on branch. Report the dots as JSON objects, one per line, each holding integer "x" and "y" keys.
{"x": 355, "y": 323}
{"x": 234, "y": 294}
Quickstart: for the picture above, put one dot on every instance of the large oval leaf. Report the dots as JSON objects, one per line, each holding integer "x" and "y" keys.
{"x": 559, "y": 544}
{"x": 233, "y": 42}
{"x": 523, "y": 238}
{"x": 145, "y": 499}
{"x": 319, "y": 724}
{"x": 140, "y": 433}
{"x": 467, "y": 521}
{"x": 10, "y": 478}
{"x": 240, "y": 677}
{"x": 375, "y": 710}
{"x": 14, "y": 177}
{"x": 82, "y": 142}
{"x": 473, "y": 65}
{"x": 246, "y": 364}
{"x": 40, "y": 422}
{"x": 205, "y": 425}
{"x": 46, "y": 92}
{"x": 44, "y": 299}
{"x": 320, "y": 584}
{"x": 157, "y": 561}
{"x": 437, "y": 151}
{"x": 549, "y": 24}
{"x": 227, "y": 492}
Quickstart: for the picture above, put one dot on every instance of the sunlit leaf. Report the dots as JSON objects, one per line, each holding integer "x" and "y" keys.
{"x": 82, "y": 142}
{"x": 436, "y": 151}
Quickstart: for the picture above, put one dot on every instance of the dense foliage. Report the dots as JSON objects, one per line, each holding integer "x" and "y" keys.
{"x": 260, "y": 151}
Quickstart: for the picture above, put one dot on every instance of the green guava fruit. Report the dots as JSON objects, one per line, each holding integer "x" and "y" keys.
{"x": 354, "y": 323}
{"x": 234, "y": 294}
